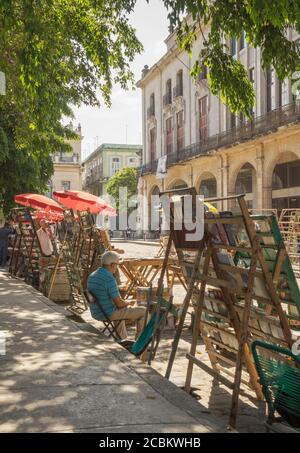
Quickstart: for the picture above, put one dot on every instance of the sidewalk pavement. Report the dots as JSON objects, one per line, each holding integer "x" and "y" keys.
{"x": 59, "y": 375}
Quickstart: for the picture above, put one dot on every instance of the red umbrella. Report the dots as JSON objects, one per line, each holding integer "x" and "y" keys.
{"x": 42, "y": 214}
{"x": 37, "y": 201}
{"x": 83, "y": 201}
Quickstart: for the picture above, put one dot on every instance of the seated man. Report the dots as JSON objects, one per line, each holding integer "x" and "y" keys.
{"x": 102, "y": 284}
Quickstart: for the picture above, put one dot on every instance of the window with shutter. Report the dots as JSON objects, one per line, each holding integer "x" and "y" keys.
{"x": 203, "y": 110}
{"x": 180, "y": 131}
{"x": 169, "y": 147}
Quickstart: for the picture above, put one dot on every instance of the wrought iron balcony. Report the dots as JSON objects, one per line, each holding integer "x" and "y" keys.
{"x": 65, "y": 159}
{"x": 262, "y": 125}
{"x": 95, "y": 175}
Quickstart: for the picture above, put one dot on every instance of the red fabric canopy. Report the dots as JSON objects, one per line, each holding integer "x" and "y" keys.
{"x": 83, "y": 201}
{"x": 42, "y": 214}
{"x": 37, "y": 201}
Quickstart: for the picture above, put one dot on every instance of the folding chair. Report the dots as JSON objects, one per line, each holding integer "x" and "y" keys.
{"x": 146, "y": 336}
{"x": 109, "y": 325}
{"x": 279, "y": 372}
{"x": 151, "y": 332}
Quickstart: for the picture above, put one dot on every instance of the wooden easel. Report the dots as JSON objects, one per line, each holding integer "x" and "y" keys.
{"x": 67, "y": 260}
{"x": 16, "y": 252}
{"x": 235, "y": 314}
{"x": 26, "y": 245}
{"x": 78, "y": 303}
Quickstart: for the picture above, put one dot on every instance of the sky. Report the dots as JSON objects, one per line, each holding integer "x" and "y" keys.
{"x": 122, "y": 123}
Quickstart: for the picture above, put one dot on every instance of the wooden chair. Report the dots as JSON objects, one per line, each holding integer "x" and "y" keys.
{"x": 279, "y": 373}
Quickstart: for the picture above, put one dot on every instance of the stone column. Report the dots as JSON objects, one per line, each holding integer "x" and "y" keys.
{"x": 259, "y": 195}
{"x": 225, "y": 180}
{"x": 143, "y": 217}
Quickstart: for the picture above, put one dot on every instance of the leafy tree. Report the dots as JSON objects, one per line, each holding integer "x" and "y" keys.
{"x": 56, "y": 54}
{"x": 127, "y": 178}
{"x": 21, "y": 171}
{"x": 265, "y": 24}
{"x": 60, "y": 53}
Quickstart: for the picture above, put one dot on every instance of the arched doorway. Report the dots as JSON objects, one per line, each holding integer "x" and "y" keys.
{"x": 286, "y": 183}
{"x": 178, "y": 184}
{"x": 246, "y": 184}
{"x": 208, "y": 186}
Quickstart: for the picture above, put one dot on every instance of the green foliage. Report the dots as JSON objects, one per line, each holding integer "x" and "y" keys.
{"x": 21, "y": 172}
{"x": 56, "y": 54}
{"x": 60, "y": 53}
{"x": 125, "y": 178}
{"x": 4, "y": 150}
{"x": 266, "y": 25}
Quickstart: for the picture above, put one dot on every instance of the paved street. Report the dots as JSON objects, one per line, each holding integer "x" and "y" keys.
{"x": 137, "y": 249}
{"x": 215, "y": 397}
{"x": 62, "y": 376}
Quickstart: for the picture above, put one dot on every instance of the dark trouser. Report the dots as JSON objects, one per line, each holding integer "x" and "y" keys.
{"x": 3, "y": 254}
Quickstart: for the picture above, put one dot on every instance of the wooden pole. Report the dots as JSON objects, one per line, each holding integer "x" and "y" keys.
{"x": 197, "y": 320}
{"x": 185, "y": 307}
{"x": 268, "y": 277}
{"x": 229, "y": 299}
{"x": 164, "y": 267}
{"x": 56, "y": 267}
{"x": 243, "y": 337}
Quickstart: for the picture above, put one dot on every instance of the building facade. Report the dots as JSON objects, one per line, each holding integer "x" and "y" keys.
{"x": 207, "y": 146}
{"x": 105, "y": 161}
{"x": 67, "y": 167}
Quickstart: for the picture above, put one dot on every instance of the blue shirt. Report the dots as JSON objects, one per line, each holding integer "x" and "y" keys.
{"x": 102, "y": 284}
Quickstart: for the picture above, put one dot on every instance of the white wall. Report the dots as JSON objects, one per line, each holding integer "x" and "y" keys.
{"x": 219, "y": 115}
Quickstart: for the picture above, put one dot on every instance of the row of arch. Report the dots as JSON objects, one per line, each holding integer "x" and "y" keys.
{"x": 207, "y": 186}
{"x": 285, "y": 174}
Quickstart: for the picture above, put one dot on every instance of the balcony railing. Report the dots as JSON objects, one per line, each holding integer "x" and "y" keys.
{"x": 259, "y": 126}
{"x": 167, "y": 99}
{"x": 71, "y": 159}
{"x": 95, "y": 175}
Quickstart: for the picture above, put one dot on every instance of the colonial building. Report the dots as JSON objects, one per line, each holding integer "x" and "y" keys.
{"x": 105, "y": 161}
{"x": 67, "y": 167}
{"x": 210, "y": 148}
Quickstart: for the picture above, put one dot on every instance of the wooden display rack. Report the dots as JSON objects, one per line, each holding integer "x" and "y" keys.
{"x": 66, "y": 260}
{"x": 232, "y": 288}
{"x": 69, "y": 265}
{"x": 26, "y": 246}
{"x": 80, "y": 253}
{"x": 289, "y": 224}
